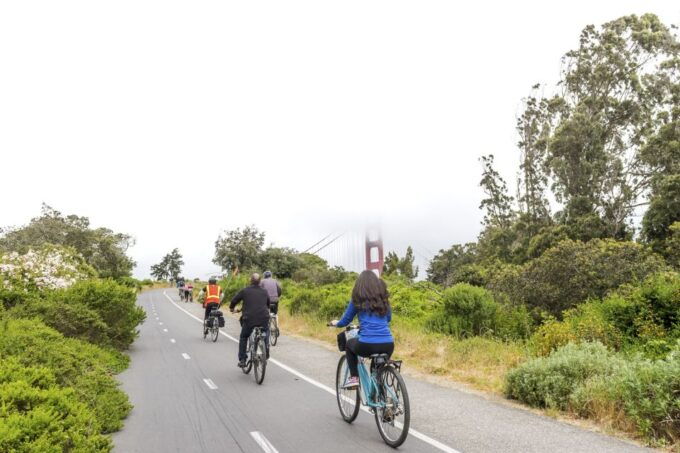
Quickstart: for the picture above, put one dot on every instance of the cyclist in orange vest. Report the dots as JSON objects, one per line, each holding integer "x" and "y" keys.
{"x": 212, "y": 297}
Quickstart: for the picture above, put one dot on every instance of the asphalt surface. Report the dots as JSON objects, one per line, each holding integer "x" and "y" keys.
{"x": 189, "y": 396}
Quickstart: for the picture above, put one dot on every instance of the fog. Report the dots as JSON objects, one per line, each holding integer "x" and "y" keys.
{"x": 173, "y": 121}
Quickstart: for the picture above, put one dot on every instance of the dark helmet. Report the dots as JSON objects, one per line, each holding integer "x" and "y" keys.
{"x": 267, "y": 274}
{"x": 212, "y": 281}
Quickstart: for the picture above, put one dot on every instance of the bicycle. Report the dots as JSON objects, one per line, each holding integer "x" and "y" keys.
{"x": 382, "y": 390}
{"x": 212, "y": 324}
{"x": 256, "y": 349}
{"x": 257, "y": 355}
{"x": 274, "y": 331}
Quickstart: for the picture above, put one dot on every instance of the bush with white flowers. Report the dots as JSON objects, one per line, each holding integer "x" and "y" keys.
{"x": 49, "y": 267}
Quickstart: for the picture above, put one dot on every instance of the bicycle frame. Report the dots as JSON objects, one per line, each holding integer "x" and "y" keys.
{"x": 369, "y": 386}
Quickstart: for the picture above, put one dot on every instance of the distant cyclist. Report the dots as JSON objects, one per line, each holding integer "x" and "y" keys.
{"x": 255, "y": 313}
{"x": 212, "y": 297}
{"x": 370, "y": 301}
{"x": 188, "y": 292}
{"x": 273, "y": 289}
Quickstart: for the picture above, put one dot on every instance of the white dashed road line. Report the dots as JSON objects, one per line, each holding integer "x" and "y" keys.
{"x": 263, "y": 442}
{"x": 165, "y": 330}
{"x": 186, "y": 356}
{"x": 424, "y": 437}
{"x": 172, "y": 340}
{"x": 211, "y": 385}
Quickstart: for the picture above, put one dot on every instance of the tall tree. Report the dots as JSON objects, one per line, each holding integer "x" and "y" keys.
{"x": 616, "y": 91}
{"x": 498, "y": 204}
{"x": 169, "y": 267}
{"x": 401, "y": 266}
{"x": 174, "y": 263}
{"x": 533, "y": 127}
{"x": 239, "y": 249}
{"x": 446, "y": 265}
{"x": 102, "y": 248}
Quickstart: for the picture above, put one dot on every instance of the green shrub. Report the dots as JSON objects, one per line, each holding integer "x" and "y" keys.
{"x": 642, "y": 318}
{"x": 550, "y": 381}
{"x": 574, "y": 271}
{"x": 305, "y": 301}
{"x": 36, "y": 415}
{"x": 129, "y": 282}
{"x": 231, "y": 286}
{"x": 115, "y": 304}
{"x": 84, "y": 367}
{"x": 468, "y": 311}
{"x": 73, "y": 321}
{"x": 649, "y": 391}
{"x": 583, "y": 323}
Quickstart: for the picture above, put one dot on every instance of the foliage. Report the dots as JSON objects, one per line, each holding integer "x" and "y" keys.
{"x": 239, "y": 249}
{"x": 574, "y": 271}
{"x": 446, "y": 267}
{"x": 77, "y": 364}
{"x": 617, "y": 89}
{"x": 498, "y": 204}
{"x": 550, "y": 381}
{"x": 663, "y": 212}
{"x": 644, "y": 318}
{"x": 401, "y": 266}
{"x": 101, "y": 248}
{"x": 102, "y": 312}
{"x": 283, "y": 262}
{"x": 169, "y": 267}
{"x": 49, "y": 267}
{"x": 592, "y": 381}
{"x": 468, "y": 311}
{"x": 36, "y": 414}
{"x": 671, "y": 249}
{"x": 315, "y": 270}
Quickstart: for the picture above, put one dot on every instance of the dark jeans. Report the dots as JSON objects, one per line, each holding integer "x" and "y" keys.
{"x": 274, "y": 307}
{"x": 356, "y": 348}
{"x": 246, "y": 330}
{"x": 209, "y": 308}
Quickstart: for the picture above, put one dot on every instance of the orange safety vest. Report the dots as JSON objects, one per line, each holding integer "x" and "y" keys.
{"x": 212, "y": 294}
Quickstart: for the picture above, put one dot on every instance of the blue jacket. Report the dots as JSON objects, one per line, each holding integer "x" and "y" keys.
{"x": 374, "y": 328}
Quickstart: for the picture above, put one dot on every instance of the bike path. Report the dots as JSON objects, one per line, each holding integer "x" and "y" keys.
{"x": 176, "y": 410}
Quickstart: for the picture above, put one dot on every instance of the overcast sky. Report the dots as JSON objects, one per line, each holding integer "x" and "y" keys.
{"x": 174, "y": 120}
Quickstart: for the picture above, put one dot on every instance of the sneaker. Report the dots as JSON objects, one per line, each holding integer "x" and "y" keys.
{"x": 241, "y": 363}
{"x": 351, "y": 383}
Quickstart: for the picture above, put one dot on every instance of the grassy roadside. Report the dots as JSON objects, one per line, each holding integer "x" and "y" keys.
{"x": 479, "y": 362}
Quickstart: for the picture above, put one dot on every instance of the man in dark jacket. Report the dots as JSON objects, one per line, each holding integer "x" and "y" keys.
{"x": 255, "y": 314}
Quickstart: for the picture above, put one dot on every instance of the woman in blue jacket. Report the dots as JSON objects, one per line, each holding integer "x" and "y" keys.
{"x": 370, "y": 301}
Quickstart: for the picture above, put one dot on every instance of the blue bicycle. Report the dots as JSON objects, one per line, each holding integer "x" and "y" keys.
{"x": 382, "y": 390}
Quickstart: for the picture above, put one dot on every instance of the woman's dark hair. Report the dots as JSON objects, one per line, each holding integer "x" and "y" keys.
{"x": 370, "y": 294}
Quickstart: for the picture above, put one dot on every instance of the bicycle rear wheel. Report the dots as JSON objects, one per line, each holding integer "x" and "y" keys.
{"x": 273, "y": 331}
{"x": 393, "y": 415}
{"x": 215, "y": 332}
{"x": 260, "y": 360}
{"x": 348, "y": 399}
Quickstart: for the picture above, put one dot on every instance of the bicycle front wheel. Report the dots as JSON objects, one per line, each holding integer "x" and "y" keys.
{"x": 393, "y": 414}
{"x": 260, "y": 360}
{"x": 348, "y": 399}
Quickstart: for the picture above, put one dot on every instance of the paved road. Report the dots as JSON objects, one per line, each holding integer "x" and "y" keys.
{"x": 189, "y": 396}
